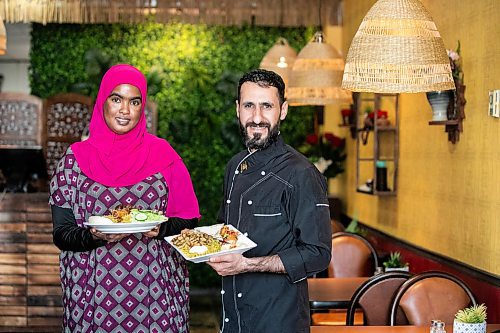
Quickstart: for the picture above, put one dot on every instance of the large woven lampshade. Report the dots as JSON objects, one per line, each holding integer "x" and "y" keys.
{"x": 3, "y": 38}
{"x": 316, "y": 75}
{"x": 397, "y": 49}
{"x": 279, "y": 59}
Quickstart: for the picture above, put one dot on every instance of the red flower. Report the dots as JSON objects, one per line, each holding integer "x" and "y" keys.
{"x": 338, "y": 142}
{"x": 380, "y": 114}
{"x": 334, "y": 140}
{"x": 312, "y": 139}
{"x": 330, "y": 137}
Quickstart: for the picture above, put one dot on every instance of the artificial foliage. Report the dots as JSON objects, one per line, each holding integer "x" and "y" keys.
{"x": 474, "y": 314}
{"x": 395, "y": 260}
{"x": 193, "y": 72}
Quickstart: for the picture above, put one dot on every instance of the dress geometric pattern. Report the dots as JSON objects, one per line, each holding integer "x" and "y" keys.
{"x": 138, "y": 284}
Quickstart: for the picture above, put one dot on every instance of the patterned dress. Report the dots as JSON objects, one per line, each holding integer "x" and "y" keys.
{"x": 138, "y": 284}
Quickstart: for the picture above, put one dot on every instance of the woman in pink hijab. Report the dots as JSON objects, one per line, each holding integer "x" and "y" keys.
{"x": 121, "y": 282}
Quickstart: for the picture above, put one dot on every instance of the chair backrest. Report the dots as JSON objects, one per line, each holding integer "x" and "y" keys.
{"x": 337, "y": 226}
{"x": 68, "y": 115}
{"x": 22, "y": 122}
{"x": 431, "y": 295}
{"x": 352, "y": 256}
{"x": 374, "y": 297}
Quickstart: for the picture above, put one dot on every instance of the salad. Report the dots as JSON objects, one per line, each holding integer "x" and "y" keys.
{"x": 133, "y": 215}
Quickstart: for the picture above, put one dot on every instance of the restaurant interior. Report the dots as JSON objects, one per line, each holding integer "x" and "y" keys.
{"x": 395, "y": 102}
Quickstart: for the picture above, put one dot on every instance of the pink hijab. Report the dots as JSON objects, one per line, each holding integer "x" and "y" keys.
{"x": 125, "y": 159}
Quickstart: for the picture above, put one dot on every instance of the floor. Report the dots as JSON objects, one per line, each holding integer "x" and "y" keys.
{"x": 205, "y": 311}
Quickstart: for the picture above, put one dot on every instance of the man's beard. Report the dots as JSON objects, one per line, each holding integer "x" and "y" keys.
{"x": 257, "y": 142}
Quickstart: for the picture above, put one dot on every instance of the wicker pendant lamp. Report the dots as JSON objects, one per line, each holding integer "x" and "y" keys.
{"x": 279, "y": 59}
{"x": 3, "y": 38}
{"x": 397, "y": 49}
{"x": 317, "y": 75}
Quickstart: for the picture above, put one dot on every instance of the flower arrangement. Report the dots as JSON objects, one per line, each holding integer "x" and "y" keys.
{"x": 456, "y": 64}
{"x": 326, "y": 152}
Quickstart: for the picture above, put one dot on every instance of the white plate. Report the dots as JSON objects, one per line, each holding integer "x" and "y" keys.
{"x": 106, "y": 226}
{"x": 243, "y": 244}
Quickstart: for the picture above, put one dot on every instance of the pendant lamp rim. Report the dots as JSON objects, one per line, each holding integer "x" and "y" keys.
{"x": 397, "y": 49}
{"x": 316, "y": 75}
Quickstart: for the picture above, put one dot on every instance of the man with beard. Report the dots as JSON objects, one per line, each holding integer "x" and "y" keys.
{"x": 276, "y": 197}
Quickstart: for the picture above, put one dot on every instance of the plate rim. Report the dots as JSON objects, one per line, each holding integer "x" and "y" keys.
{"x": 116, "y": 228}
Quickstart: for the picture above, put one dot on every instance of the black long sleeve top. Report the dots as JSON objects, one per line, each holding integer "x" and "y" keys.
{"x": 68, "y": 236}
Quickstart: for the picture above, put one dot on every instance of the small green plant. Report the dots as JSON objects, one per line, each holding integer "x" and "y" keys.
{"x": 354, "y": 228}
{"x": 395, "y": 261}
{"x": 475, "y": 314}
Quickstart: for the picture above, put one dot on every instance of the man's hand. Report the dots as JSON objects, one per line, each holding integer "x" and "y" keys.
{"x": 232, "y": 264}
{"x": 228, "y": 264}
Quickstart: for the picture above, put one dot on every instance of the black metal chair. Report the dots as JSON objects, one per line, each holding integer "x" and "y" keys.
{"x": 374, "y": 298}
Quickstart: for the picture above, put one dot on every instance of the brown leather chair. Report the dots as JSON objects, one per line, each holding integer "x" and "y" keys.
{"x": 337, "y": 226}
{"x": 374, "y": 298}
{"x": 431, "y": 295}
{"x": 352, "y": 256}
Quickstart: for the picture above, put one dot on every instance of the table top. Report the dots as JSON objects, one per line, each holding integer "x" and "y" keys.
{"x": 387, "y": 329}
{"x": 332, "y": 293}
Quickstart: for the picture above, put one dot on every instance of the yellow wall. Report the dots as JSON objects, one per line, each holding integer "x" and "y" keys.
{"x": 448, "y": 195}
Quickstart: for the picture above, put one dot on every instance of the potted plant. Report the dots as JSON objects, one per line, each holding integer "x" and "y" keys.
{"x": 354, "y": 228}
{"x": 396, "y": 263}
{"x": 470, "y": 320}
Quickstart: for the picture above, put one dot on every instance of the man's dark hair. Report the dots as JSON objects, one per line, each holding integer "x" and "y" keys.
{"x": 264, "y": 79}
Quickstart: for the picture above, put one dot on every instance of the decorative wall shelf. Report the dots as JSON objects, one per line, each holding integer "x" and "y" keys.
{"x": 351, "y": 121}
{"x": 455, "y": 113}
{"x": 382, "y": 146}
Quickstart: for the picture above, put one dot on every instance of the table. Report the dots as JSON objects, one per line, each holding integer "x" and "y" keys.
{"x": 386, "y": 329}
{"x": 332, "y": 293}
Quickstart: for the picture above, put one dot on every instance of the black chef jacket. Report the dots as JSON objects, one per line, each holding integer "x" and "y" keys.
{"x": 279, "y": 199}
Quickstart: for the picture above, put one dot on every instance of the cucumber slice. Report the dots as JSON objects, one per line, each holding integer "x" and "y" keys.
{"x": 140, "y": 217}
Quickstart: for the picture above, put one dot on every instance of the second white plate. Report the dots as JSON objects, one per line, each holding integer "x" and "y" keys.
{"x": 244, "y": 243}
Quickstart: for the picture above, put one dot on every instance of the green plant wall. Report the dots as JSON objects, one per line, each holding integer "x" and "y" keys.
{"x": 198, "y": 67}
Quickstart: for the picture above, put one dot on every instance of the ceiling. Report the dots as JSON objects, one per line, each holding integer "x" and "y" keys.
{"x": 286, "y": 13}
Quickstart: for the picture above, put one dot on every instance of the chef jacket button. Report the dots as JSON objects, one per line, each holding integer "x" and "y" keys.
{"x": 239, "y": 295}
{"x": 222, "y": 292}
{"x": 245, "y": 234}
{"x": 250, "y": 202}
{"x": 226, "y": 320}
{"x": 228, "y": 201}
{"x": 263, "y": 173}
{"x": 236, "y": 172}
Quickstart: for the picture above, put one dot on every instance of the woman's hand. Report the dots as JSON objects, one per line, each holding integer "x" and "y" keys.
{"x": 107, "y": 237}
{"x": 153, "y": 232}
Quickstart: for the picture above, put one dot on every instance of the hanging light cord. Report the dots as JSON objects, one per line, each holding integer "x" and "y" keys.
{"x": 319, "y": 15}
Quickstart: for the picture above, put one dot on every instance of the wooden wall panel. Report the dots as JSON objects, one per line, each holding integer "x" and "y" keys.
{"x": 13, "y": 263}
{"x": 30, "y": 291}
